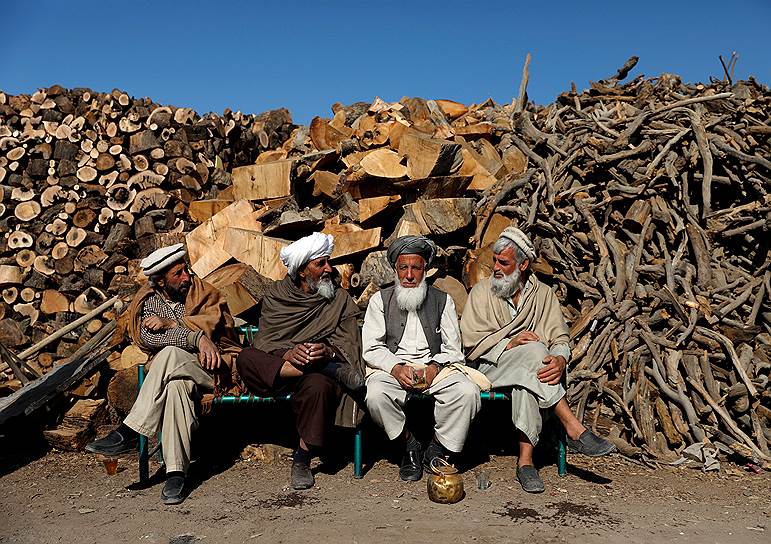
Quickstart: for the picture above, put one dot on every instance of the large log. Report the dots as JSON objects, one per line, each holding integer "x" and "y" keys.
{"x": 428, "y": 157}
{"x": 263, "y": 181}
{"x": 241, "y": 285}
{"x": 205, "y": 244}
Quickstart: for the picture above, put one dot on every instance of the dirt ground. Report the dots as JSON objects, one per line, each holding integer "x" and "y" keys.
{"x": 68, "y": 497}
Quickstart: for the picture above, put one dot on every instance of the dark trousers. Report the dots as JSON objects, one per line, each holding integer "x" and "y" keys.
{"x": 315, "y": 397}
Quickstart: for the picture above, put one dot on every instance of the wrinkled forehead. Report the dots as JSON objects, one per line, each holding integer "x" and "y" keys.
{"x": 410, "y": 259}
{"x": 507, "y": 253}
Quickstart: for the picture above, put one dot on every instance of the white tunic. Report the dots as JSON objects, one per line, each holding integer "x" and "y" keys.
{"x": 413, "y": 347}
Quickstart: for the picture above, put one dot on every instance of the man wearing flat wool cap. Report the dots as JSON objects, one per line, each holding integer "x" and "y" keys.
{"x": 308, "y": 344}
{"x": 513, "y": 329}
{"x": 184, "y": 325}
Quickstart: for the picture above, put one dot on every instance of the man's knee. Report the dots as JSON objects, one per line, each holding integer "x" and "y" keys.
{"x": 465, "y": 392}
{"x": 379, "y": 392}
{"x": 179, "y": 388}
{"x": 248, "y": 357}
{"x": 536, "y": 350}
{"x": 170, "y": 355}
{"x": 172, "y": 350}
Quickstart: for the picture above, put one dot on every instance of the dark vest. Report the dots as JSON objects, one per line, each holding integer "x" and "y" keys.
{"x": 429, "y": 314}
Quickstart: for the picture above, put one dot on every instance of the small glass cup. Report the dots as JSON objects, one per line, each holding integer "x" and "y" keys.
{"x": 483, "y": 480}
{"x": 419, "y": 378}
{"x": 110, "y": 465}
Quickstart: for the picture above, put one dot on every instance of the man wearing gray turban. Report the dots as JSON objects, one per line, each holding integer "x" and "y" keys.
{"x": 410, "y": 334}
{"x": 513, "y": 328}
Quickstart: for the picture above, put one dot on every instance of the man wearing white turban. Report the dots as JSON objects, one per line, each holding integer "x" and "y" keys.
{"x": 513, "y": 329}
{"x": 308, "y": 344}
{"x": 183, "y": 324}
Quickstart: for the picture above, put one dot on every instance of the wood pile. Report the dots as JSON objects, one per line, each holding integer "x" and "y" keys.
{"x": 648, "y": 202}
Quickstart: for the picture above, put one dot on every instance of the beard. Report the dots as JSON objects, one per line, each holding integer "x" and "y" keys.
{"x": 410, "y": 299}
{"x": 179, "y": 293}
{"x": 506, "y": 286}
{"x": 323, "y": 286}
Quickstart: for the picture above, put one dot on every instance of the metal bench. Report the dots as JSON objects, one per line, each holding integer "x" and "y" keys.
{"x": 358, "y": 467}
{"x": 562, "y": 467}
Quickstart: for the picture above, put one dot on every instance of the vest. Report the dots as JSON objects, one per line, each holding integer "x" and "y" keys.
{"x": 429, "y": 315}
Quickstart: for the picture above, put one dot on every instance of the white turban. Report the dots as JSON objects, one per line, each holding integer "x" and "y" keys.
{"x": 521, "y": 240}
{"x": 297, "y": 254}
{"x": 160, "y": 259}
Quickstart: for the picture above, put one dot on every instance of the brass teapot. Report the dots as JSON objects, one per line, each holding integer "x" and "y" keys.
{"x": 445, "y": 485}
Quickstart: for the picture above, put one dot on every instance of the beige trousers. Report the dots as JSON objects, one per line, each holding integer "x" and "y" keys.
{"x": 166, "y": 403}
{"x": 456, "y": 403}
{"x": 518, "y": 368}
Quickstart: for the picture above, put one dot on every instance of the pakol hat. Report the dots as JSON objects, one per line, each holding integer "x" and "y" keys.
{"x": 160, "y": 259}
{"x": 521, "y": 240}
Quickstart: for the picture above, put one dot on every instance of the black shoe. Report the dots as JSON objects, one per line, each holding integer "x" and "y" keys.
{"x": 302, "y": 477}
{"x": 349, "y": 377}
{"x": 411, "y": 470}
{"x": 174, "y": 489}
{"x": 529, "y": 479}
{"x": 590, "y": 445}
{"x": 121, "y": 440}
{"x": 434, "y": 451}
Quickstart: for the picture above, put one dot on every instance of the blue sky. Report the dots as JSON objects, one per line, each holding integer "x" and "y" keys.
{"x": 255, "y": 56}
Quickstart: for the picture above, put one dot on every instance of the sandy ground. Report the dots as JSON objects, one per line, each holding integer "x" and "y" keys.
{"x": 68, "y": 497}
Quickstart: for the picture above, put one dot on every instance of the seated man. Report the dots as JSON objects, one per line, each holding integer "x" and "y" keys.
{"x": 410, "y": 333}
{"x": 513, "y": 328}
{"x": 308, "y": 344}
{"x": 184, "y": 323}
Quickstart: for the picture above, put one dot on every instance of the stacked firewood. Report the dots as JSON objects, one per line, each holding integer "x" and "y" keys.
{"x": 88, "y": 183}
{"x": 648, "y": 201}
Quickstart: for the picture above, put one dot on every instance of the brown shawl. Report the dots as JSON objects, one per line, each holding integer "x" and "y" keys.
{"x": 487, "y": 320}
{"x": 205, "y": 310}
{"x": 291, "y": 316}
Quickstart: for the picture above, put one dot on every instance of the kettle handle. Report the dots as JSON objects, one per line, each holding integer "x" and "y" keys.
{"x": 434, "y": 468}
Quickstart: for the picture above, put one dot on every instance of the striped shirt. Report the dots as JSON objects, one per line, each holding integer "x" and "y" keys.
{"x": 179, "y": 336}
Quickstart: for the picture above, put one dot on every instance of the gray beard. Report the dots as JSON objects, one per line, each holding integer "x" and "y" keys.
{"x": 506, "y": 286}
{"x": 324, "y": 287}
{"x": 410, "y": 299}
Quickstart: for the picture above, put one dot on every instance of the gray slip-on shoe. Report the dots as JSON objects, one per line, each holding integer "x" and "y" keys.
{"x": 302, "y": 477}
{"x": 174, "y": 489}
{"x": 529, "y": 479}
{"x": 116, "y": 443}
{"x": 591, "y": 445}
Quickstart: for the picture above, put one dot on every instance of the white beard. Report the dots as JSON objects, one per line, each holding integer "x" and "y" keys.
{"x": 506, "y": 286}
{"x": 410, "y": 299}
{"x": 324, "y": 287}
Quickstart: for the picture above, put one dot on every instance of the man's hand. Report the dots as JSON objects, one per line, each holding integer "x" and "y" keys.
{"x": 554, "y": 367}
{"x": 307, "y": 354}
{"x": 208, "y": 354}
{"x": 157, "y": 323}
{"x": 431, "y": 371}
{"x": 522, "y": 338}
{"x": 317, "y": 351}
{"x": 404, "y": 375}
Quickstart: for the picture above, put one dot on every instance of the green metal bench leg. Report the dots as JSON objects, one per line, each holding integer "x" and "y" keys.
{"x": 357, "y": 454}
{"x": 144, "y": 458}
{"x": 562, "y": 450}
